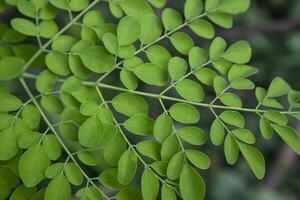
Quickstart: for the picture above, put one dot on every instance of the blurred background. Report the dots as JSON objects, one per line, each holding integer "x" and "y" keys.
{"x": 273, "y": 29}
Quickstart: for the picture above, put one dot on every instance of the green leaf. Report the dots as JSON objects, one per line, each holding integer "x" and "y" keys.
{"x": 244, "y": 135}
{"x": 289, "y": 136}
{"x": 254, "y": 159}
{"x": 278, "y": 87}
{"x": 129, "y": 194}
{"x": 57, "y": 62}
{"x": 29, "y": 139}
{"x": 193, "y": 135}
{"x": 159, "y": 55}
{"x": 197, "y": 57}
{"x": 139, "y": 124}
{"x": 130, "y": 104}
{"x": 115, "y": 9}
{"x": 73, "y": 174}
{"x": 198, "y": 159}
{"x": 222, "y": 19}
{"x": 202, "y": 28}
{"x": 242, "y": 84}
{"x": 9, "y": 103}
{"x": 219, "y": 84}
{"x": 10, "y": 67}
{"x": 160, "y": 167}
{"x": 193, "y": 8}
{"x": 127, "y": 167}
{"x": 47, "y": 28}
{"x": 171, "y": 19}
{"x": 52, "y": 104}
{"x": 97, "y": 59}
{"x": 163, "y": 127}
{"x": 78, "y": 5}
{"x": 175, "y": 166}
{"x": 182, "y": 42}
{"x": 151, "y": 28}
{"x": 109, "y": 178}
{"x": 184, "y": 113}
{"x": 22, "y": 192}
{"x": 128, "y": 79}
{"x": 24, "y": 26}
{"x": 211, "y": 5}
{"x": 231, "y": 149}
{"x": 177, "y": 68}
{"x": 217, "y": 48}
{"x": 5, "y": 121}
{"x": 217, "y": 132}
{"x": 52, "y": 147}
{"x": 135, "y": 8}
{"x": 241, "y": 71}
{"x": 150, "y": 185}
{"x": 276, "y": 117}
{"x": 33, "y": 164}
{"x": 190, "y": 90}
{"x": 265, "y": 128}
{"x": 9, "y": 144}
{"x": 54, "y": 170}
{"x": 151, "y": 74}
{"x": 150, "y": 149}
{"x": 231, "y": 99}
{"x": 114, "y": 149}
{"x": 233, "y": 118}
{"x": 234, "y": 6}
{"x": 89, "y": 158}
{"x": 91, "y": 132}
{"x": 128, "y": 30}
{"x": 206, "y": 76}
{"x": 58, "y": 188}
{"x": 45, "y": 81}
{"x": 191, "y": 184}
{"x": 93, "y": 18}
{"x": 169, "y": 147}
{"x": 77, "y": 67}
{"x": 239, "y": 52}
{"x": 110, "y": 42}
{"x": 127, "y": 51}
{"x": 167, "y": 193}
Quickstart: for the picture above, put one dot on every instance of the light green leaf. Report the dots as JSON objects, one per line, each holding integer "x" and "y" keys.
{"x": 231, "y": 149}
{"x": 242, "y": 84}
{"x": 217, "y": 132}
{"x": 24, "y": 26}
{"x": 110, "y": 42}
{"x": 128, "y": 30}
{"x": 160, "y": 167}
{"x": 45, "y": 81}
{"x": 171, "y": 19}
{"x": 182, "y": 42}
{"x": 265, "y": 128}
{"x": 193, "y": 8}
{"x": 244, "y": 135}
{"x": 150, "y": 185}
{"x": 193, "y": 135}
{"x": 158, "y": 3}
{"x": 206, "y": 75}
{"x": 222, "y": 19}
{"x": 54, "y": 170}
{"x": 115, "y": 9}
{"x": 198, "y": 159}
{"x": 33, "y": 164}
{"x": 276, "y": 117}
{"x": 231, "y": 99}
{"x": 109, "y": 178}
{"x": 234, "y": 6}
{"x": 289, "y": 136}
{"x": 57, "y": 62}
{"x": 135, "y": 8}
{"x": 73, "y": 174}
{"x": 97, "y": 59}
{"x": 278, "y": 87}
{"x": 217, "y": 48}
{"x": 163, "y": 127}
{"x": 58, "y": 188}
{"x": 151, "y": 28}
{"x": 10, "y": 67}
{"x": 93, "y": 18}
{"x": 239, "y": 52}
{"x": 233, "y": 118}
{"x": 52, "y": 147}
{"x": 219, "y": 84}
{"x": 89, "y": 158}
{"x": 128, "y": 79}
{"x": 9, "y": 144}
{"x": 150, "y": 149}
{"x": 202, "y": 28}
{"x": 159, "y": 55}
{"x": 197, "y": 57}
{"x": 241, "y": 71}
{"x": 211, "y": 5}
{"x": 169, "y": 147}
{"x": 127, "y": 167}
{"x": 190, "y": 90}
{"x": 151, "y": 74}
{"x": 9, "y": 103}
{"x": 175, "y": 166}
{"x": 184, "y": 113}
{"x": 167, "y": 193}
{"x": 52, "y": 104}
{"x": 129, "y": 194}
{"x": 47, "y": 28}
{"x": 91, "y": 132}
{"x": 191, "y": 184}
{"x": 130, "y": 104}
{"x": 177, "y": 67}
{"x": 139, "y": 124}
{"x": 254, "y": 159}
{"x": 114, "y": 149}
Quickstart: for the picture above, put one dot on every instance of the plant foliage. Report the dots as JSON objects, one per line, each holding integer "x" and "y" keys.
{"x": 69, "y": 123}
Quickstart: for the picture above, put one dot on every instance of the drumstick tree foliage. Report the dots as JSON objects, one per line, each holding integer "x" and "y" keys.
{"x": 69, "y": 124}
